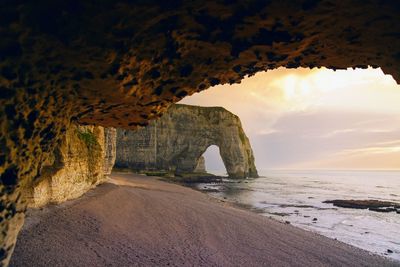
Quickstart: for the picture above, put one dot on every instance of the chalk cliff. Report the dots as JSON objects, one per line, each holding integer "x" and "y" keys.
{"x": 82, "y": 159}
{"x": 110, "y": 149}
{"x": 178, "y": 139}
{"x": 201, "y": 165}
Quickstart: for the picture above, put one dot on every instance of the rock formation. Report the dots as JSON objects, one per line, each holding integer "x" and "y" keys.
{"x": 177, "y": 140}
{"x": 80, "y": 162}
{"x": 121, "y": 63}
{"x": 110, "y": 147}
{"x": 371, "y": 204}
{"x": 201, "y": 165}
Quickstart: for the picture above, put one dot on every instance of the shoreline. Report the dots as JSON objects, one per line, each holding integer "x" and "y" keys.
{"x": 140, "y": 220}
{"x": 316, "y": 213}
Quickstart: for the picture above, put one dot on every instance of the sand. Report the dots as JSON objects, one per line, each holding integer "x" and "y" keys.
{"x": 140, "y": 221}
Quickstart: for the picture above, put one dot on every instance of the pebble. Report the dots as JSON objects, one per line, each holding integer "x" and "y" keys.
{"x": 389, "y": 251}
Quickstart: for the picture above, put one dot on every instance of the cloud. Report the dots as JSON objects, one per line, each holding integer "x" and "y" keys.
{"x": 338, "y": 132}
{"x": 300, "y": 139}
{"x": 319, "y": 118}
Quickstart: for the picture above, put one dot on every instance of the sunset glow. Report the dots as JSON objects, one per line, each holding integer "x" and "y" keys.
{"x": 319, "y": 118}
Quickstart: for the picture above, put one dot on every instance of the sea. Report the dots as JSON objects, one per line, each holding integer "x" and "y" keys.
{"x": 296, "y": 197}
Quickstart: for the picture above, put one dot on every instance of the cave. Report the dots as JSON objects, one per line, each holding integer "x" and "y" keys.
{"x": 122, "y": 64}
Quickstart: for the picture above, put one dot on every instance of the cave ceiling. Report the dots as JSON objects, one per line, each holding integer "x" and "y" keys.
{"x": 121, "y": 63}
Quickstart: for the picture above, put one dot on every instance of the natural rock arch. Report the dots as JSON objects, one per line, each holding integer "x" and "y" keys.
{"x": 178, "y": 139}
{"x": 202, "y": 166}
{"x": 122, "y": 63}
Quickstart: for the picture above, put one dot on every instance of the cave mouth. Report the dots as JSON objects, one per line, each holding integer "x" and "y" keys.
{"x": 213, "y": 162}
{"x": 122, "y": 63}
{"x": 315, "y": 118}
{"x": 320, "y": 137}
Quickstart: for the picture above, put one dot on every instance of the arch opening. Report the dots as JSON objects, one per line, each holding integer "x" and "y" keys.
{"x": 211, "y": 162}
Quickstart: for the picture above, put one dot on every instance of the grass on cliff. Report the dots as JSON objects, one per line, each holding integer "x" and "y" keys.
{"x": 93, "y": 150}
{"x": 88, "y": 137}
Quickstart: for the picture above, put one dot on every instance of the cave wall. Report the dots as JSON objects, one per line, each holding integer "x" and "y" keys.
{"x": 82, "y": 160}
{"x": 177, "y": 141}
{"x": 121, "y": 64}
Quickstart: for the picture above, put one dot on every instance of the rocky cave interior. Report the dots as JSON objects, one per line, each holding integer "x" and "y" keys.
{"x": 122, "y": 63}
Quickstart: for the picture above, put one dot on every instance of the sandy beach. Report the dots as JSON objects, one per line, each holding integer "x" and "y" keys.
{"x": 136, "y": 220}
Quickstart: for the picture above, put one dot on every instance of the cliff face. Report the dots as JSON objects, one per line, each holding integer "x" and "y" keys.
{"x": 79, "y": 162}
{"x": 110, "y": 147}
{"x": 201, "y": 165}
{"x": 177, "y": 141}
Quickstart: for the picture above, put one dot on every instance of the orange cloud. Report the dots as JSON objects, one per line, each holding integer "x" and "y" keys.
{"x": 363, "y": 105}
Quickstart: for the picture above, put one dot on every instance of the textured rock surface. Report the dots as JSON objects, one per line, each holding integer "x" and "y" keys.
{"x": 77, "y": 165}
{"x": 110, "y": 147}
{"x": 177, "y": 140}
{"x": 121, "y": 63}
{"x": 201, "y": 165}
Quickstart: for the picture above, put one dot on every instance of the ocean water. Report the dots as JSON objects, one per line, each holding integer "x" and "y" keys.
{"x": 297, "y": 196}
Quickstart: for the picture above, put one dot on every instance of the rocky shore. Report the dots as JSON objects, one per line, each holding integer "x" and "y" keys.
{"x": 371, "y": 204}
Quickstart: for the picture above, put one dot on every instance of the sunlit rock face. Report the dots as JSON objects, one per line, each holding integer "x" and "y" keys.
{"x": 121, "y": 63}
{"x": 110, "y": 149}
{"x": 177, "y": 141}
{"x": 201, "y": 165}
{"x": 84, "y": 157}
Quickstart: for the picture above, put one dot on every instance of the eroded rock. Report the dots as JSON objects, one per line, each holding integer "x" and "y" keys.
{"x": 201, "y": 165}
{"x": 371, "y": 204}
{"x": 177, "y": 140}
{"x": 78, "y": 164}
{"x": 110, "y": 147}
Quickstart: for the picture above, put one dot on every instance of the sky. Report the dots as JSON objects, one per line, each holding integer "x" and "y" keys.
{"x": 314, "y": 119}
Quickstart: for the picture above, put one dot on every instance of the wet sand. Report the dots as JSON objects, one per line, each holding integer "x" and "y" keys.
{"x": 140, "y": 221}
